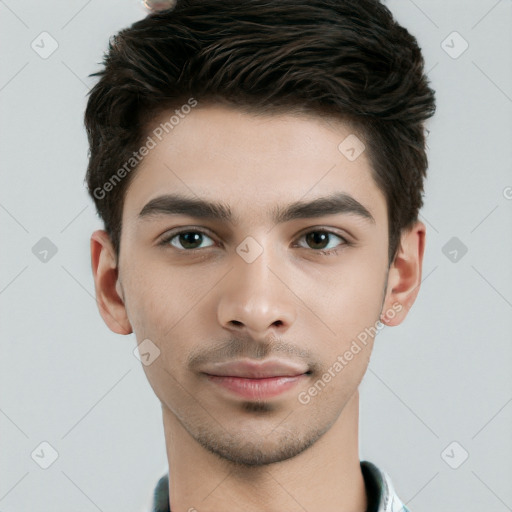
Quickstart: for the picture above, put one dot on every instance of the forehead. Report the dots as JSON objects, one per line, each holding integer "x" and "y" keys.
{"x": 251, "y": 162}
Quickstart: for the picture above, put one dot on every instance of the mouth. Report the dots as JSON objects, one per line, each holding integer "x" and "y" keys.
{"x": 257, "y": 380}
{"x": 257, "y": 389}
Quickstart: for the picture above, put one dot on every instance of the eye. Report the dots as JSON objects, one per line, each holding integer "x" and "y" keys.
{"x": 188, "y": 239}
{"x": 320, "y": 241}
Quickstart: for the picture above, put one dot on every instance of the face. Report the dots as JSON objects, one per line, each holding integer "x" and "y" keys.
{"x": 251, "y": 302}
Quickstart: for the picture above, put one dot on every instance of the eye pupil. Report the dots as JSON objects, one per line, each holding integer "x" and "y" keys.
{"x": 190, "y": 238}
{"x": 316, "y": 237}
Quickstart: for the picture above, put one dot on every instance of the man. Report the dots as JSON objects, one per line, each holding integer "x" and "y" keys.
{"x": 259, "y": 170}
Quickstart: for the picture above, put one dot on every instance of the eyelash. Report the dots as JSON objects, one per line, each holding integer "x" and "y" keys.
{"x": 328, "y": 252}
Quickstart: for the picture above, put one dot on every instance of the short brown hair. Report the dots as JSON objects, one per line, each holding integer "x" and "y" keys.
{"x": 345, "y": 59}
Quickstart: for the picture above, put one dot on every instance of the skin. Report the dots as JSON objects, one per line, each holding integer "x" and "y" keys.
{"x": 226, "y": 452}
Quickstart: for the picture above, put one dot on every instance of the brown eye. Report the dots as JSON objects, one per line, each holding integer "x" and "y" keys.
{"x": 322, "y": 240}
{"x": 186, "y": 240}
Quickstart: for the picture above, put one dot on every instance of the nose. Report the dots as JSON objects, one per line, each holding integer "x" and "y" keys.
{"x": 256, "y": 298}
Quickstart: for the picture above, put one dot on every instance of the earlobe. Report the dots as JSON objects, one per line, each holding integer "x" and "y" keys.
{"x": 109, "y": 296}
{"x": 404, "y": 277}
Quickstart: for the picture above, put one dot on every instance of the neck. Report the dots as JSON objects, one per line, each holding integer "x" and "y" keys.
{"x": 325, "y": 477}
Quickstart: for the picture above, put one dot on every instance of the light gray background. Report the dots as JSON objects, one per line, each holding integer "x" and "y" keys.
{"x": 443, "y": 376}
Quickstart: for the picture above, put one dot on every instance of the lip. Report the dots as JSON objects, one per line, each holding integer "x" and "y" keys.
{"x": 250, "y": 369}
{"x": 257, "y": 380}
{"x": 257, "y": 389}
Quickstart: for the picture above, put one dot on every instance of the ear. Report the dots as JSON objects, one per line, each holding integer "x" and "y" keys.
{"x": 109, "y": 296}
{"x": 404, "y": 276}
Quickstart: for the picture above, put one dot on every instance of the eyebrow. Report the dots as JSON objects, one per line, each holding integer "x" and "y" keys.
{"x": 176, "y": 204}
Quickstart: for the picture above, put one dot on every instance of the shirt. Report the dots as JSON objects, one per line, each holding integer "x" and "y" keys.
{"x": 379, "y": 491}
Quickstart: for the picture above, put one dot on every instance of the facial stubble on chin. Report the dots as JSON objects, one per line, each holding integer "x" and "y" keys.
{"x": 248, "y": 454}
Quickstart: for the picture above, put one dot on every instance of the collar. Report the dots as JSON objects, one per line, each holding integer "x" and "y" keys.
{"x": 379, "y": 490}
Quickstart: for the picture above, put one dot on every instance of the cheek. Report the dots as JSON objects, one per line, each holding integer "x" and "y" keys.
{"x": 331, "y": 387}
{"x": 164, "y": 306}
{"x": 349, "y": 302}
{"x": 349, "y": 296}
{"x": 162, "y": 310}
{"x": 158, "y": 298}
